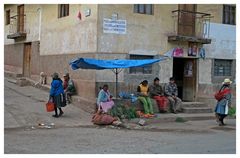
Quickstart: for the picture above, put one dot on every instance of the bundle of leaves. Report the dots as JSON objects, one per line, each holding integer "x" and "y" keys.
{"x": 180, "y": 120}
{"x": 232, "y": 111}
{"x": 123, "y": 112}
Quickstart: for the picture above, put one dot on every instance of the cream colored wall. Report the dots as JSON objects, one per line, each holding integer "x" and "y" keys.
{"x": 31, "y": 22}
{"x": 68, "y": 35}
{"x": 13, "y": 11}
{"x": 145, "y": 33}
{"x": 216, "y": 10}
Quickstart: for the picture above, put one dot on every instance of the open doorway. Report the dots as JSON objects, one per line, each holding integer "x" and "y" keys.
{"x": 184, "y": 71}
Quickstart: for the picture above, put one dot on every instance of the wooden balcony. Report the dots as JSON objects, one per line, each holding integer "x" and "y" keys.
{"x": 17, "y": 27}
{"x": 191, "y": 27}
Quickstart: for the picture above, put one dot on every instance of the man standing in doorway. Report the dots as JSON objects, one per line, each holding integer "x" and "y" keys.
{"x": 171, "y": 91}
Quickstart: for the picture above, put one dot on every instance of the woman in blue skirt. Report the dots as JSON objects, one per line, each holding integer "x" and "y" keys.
{"x": 223, "y": 104}
{"x": 57, "y": 94}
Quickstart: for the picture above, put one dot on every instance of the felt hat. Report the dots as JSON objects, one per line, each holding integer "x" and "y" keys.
{"x": 227, "y": 80}
{"x": 66, "y": 75}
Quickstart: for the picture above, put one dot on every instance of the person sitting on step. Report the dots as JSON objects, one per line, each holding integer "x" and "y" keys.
{"x": 171, "y": 91}
{"x": 156, "y": 93}
{"x": 69, "y": 88}
{"x": 104, "y": 100}
{"x": 143, "y": 96}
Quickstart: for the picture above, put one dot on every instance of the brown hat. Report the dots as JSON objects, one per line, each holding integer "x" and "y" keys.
{"x": 66, "y": 75}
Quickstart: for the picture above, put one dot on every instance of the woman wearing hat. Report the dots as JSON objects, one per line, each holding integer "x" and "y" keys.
{"x": 223, "y": 103}
{"x": 57, "y": 94}
{"x": 68, "y": 86}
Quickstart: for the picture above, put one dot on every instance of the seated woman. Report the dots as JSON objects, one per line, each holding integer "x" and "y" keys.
{"x": 104, "y": 100}
{"x": 143, "y": 96}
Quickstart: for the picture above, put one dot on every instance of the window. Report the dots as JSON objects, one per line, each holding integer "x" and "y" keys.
{"x": 229, "y": 14}
{"x": 141, "y": 70}
{"x": 7, "y": 17}
{"x": 222, "y": 67}
{"x": 143, "y": 8}
{"x": 63, "y": 10}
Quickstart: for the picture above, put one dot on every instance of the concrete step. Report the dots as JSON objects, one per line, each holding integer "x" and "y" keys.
{"x": 197, "y": 110}
{"x": 169, "y": 117}
{"x": 194, "y": 104}
{"x": 12, "y": 74}
{"x": 11, "y": 80}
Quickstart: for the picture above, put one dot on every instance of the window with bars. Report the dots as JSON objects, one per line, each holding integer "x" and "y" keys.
{"x": 63, "y": 10}
{"x": 7, "y": 17}
{"x": 143, "y": 9}
{"x": 229, "y": 14}
{"x": 141, "y": 70}
{"x": 222, "y": 67}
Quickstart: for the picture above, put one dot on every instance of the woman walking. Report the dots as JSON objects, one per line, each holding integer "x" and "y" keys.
{"x": 224, "y": 102}
{"x": 57, "y": 94}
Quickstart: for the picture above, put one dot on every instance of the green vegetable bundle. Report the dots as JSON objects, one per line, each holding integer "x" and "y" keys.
{"x": 122, "y": 112}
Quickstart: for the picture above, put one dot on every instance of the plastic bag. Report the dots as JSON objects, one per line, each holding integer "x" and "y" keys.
{"x": 50, "y": 106}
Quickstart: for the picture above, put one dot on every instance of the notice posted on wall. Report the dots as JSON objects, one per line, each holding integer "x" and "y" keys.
{"x": 114, "y": 26}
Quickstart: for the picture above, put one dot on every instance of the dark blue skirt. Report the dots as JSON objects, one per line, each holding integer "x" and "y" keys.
{"x": 59, "y": 100}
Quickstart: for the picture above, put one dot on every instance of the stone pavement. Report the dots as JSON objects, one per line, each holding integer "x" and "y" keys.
{"x": 31, "y": 110}
{"x": 25, "y": 106}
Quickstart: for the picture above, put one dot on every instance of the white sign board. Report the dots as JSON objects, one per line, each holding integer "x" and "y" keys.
{"x": 114, "y": 26}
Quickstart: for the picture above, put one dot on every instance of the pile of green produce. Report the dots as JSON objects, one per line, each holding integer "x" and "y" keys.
{"x": 180, "y": 120}
{"x": 123, "y": 112}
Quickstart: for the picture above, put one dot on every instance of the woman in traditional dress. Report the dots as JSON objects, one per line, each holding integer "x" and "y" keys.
{"x": 104, "y": 100}
{"x": 57, "y": 94}
{"x": 224, "y": 103}
{"x": 143, "y": 96}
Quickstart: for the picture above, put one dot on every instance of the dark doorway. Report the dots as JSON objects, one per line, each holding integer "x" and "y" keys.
{"x": 184, "y": 71}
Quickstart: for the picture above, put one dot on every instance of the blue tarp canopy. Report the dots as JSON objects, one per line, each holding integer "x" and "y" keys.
{"x": 87, "y": 63}
{"x": 116, "y": 65}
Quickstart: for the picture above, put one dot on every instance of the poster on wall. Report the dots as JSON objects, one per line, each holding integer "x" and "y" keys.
{"x": 192, "y": 50}
{"x": 114, "y": 26}
{"x": 188, "y": 69}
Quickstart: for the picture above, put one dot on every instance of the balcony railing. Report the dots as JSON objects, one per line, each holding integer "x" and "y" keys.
{"x": 190, "y": 26}
{"x": 17, "y": 28}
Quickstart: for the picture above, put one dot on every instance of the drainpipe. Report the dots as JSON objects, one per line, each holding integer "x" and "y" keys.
{"x": 39, "y": 26}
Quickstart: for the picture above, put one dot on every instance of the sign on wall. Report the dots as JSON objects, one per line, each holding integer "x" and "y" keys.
{"x": 188, "y": 69}
{"x": 114, "y": 26}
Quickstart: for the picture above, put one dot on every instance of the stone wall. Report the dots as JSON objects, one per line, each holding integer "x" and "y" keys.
{"x": 13, "y": 58}
{"x": 206, "y": 94}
